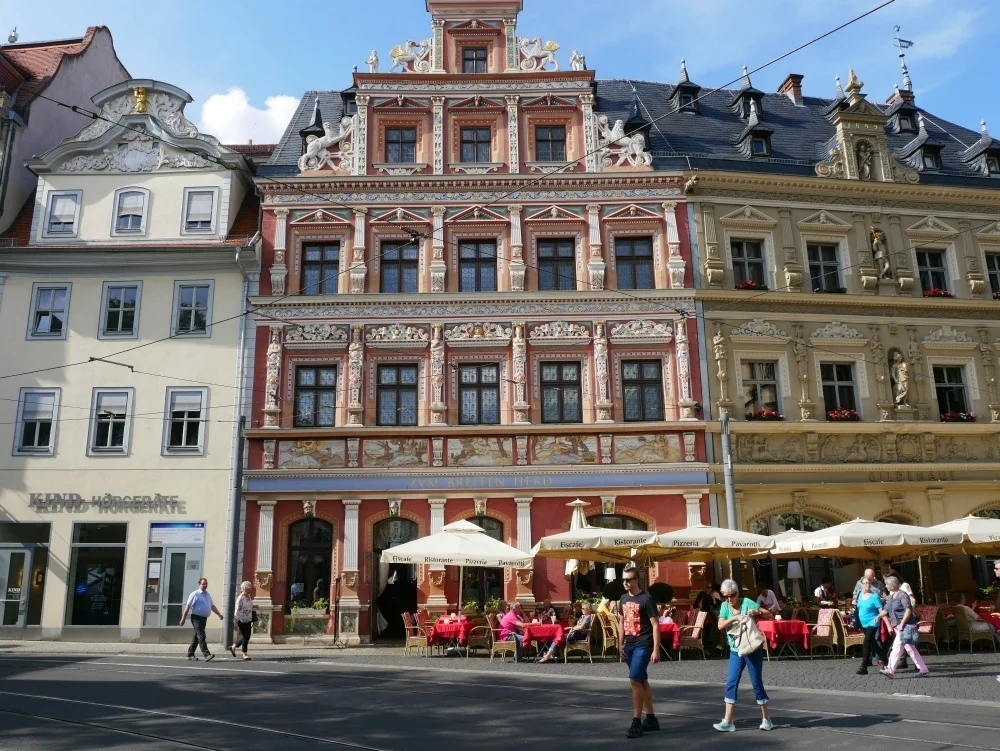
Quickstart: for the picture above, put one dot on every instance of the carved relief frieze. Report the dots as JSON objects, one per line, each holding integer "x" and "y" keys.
{"x": 559, "y": 334}
{"x": 757, "y": 330}
{"x": 315, "y": 336}
{"x": 484, "y": 334}
{"x": 397, "y": 335}
{"x": 642, "y": 331}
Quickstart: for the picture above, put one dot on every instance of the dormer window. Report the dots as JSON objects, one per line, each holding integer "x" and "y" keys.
{"x": 745, "y": 108}
{"x": 905, "y": 124}
{"x": 993, "y": 164}
{"x": 761, "y": 146}
{"x": 930, "y": 159}
{"x": 686, "y": 102}
{"x": 474, "y": 60}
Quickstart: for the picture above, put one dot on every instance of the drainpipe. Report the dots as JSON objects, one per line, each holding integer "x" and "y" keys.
{"x": 14, "y": 120}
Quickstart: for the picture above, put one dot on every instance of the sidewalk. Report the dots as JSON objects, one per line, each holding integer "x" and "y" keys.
{"x": 260, "y": 648}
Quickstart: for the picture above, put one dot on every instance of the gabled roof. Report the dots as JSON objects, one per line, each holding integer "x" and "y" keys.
{"x": 37, "y": 63}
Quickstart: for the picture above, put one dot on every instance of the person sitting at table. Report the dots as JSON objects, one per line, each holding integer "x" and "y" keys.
{"x": 510, "y": 627}
{"x": 767, "y": 600}
{"x": 824, "y": 594}
{"x": 546, "y": 613}
{"x": 708, "y": 601}
{"x": 665, "y": 613}
{"x": 579, "y": 632}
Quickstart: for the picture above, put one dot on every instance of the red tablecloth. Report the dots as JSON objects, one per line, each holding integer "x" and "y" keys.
{"x": 448, "y": 631}
{"x": 993, "y": 620}
{"x": 544, "y": 633}
{"x": 670, "y": 635}
{"x": 785, "y": 632}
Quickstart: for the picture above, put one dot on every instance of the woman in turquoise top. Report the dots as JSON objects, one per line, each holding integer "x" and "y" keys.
{"x": 733, "y": 611}
{"x": 869, "y": 607}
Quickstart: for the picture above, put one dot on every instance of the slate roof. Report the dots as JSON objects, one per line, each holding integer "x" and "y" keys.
{"x": 707, "y": 140}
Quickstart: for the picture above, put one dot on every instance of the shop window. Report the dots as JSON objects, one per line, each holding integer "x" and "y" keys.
{"x": 399, "y": 267}
{"x": 477, "y": 266}
{"x": 595, "y": 580}
{"x": 561, "y": 399}
{"x": 315, "y": 397}
{"x": 824, "y": 268}
{"x": 794, "y": 577}
{"x": 760, "y": 386}
{"x": 550, "y": 143}
{"x": 320, "y": 268}
{"x": 396, "y": 397}
{"x": 556, "y": 265}
{"x": 479, "y": 394}
{"x": 634, "y": 262}
{"x": 310, "y": 559}
{"x": 642, "y": 390}
{"x": 748, "y": 262}
{"x": 97, "y": 564}
{"x": 930, "y": 264}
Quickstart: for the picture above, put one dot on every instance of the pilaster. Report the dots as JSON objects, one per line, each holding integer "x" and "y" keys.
{"x": 520, "y": 370}
{"x": 279, "y": 271}
{"x": 682, "y": 354}
{"x": 516, "y": 265}
{"x": 604, "y": 403}
{"x": 792, "y": 264}
{"x": 900, "y": 255}
{"x": 355, "y": 373}
{"x": 437, "y": 49}
{"x": 715, "y": 269}
{"x": 513, "y": 134}
{"x": 676, "y": 267}
{"x": 977, "y": 282}
{"x": 592, "y": 159}
{"x": 263, "y": 573}
{"x": 692, "y": 506}
{"x": 439, "y": 408}
{"x": 439, "y": 266}
{"x": 867, "y": 273}
{"x": 595, "y": 264}
{"x": 935, "y": 497}
{"x": 807, "y": 407}
{"x": 437, "y": 109}
{"x": 437, "y": 600}
{"x": 525, "y": 577}
{"x": 358, "y": 268}
{"x": 350, "y": 603}
{"x": 361, "y": 135}
{"x": 272, "y": 387}
{"x": 510, "y": 38}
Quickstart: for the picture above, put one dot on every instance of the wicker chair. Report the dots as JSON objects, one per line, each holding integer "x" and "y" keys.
{"x": 480, "y": 637}
{"x": 584, "y": 646}
{"x": 609, "y": 634}
{"x": 972, "y": 629}
{"x": 416, "y": 636}
{"x": 851, "y": 637}
{"x": 499, "y": 646}
{"x": 825, "y": 632}
{"x": 691, "y": 636}
{"x": 927, "y": 626}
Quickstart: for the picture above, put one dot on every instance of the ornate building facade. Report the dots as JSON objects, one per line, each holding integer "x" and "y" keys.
{"x": 477, "y": 303}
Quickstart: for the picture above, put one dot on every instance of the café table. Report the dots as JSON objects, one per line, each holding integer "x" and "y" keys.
{"x": 992, "y": 618}
{"x": 670, "y": 638}
{"x": 448, "y": 631}
{"x": 544, "y": 633}
{"x": 782, "y": 635}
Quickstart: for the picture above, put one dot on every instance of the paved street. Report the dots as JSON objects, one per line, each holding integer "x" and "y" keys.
{"x": 58, "y": 697}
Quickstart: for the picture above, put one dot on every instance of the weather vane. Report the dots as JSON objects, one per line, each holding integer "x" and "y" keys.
{"x": 903, "y": 44}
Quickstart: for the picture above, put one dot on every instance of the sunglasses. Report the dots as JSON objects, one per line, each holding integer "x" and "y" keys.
{"x": 628, "y": 579}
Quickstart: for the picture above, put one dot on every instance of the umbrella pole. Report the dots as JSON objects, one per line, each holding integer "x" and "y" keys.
{"x": 461, "y": 581}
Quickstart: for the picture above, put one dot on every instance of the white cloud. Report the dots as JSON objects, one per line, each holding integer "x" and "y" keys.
{"x": 232, "y": 119}
{"x": 947, "y": 38}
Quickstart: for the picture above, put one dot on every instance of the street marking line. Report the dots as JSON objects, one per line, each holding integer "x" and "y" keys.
{"x": 211, "y": 720}
{"x": 202, "y": 668}
{"x": 953, "y": 724}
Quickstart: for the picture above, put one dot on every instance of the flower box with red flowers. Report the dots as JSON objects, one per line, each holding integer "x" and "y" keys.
{"x": 764, "y": 414}
{"x": 938, "y": 292}
{"x": 751, "y": 284}
{"x": 843, "y": 415}
{"x": 958, "y": 416}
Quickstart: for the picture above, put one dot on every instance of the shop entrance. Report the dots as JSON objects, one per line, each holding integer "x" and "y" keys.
{"x": 394, "y": 589}
{"x": 15, "y": 563}
{"x": 181, "y": 572}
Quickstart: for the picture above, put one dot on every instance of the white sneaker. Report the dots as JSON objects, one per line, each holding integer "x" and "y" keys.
{"x": 725, "y": 727}
{"x": 766, "y": 725}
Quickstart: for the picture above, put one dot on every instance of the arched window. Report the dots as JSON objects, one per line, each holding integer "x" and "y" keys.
{"x": 593, "y": 582}
{"x": 310, "y": 559}
{"x": 793, "y": 578}
{"x": 480, "y": 584}
{"x": 395, "y": 584}
{"x": 989, "y": 513}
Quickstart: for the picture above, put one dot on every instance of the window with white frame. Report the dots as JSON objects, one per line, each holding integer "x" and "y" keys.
{"x": 193, "y": 308}
{"x": 184, "y": 432}
{"x": 824, "y": 267}
{"x": 993, "y": 269}
{"x": 199, "y": 210}
{"x": 748, "y": 262}
{"x": 37, "y": 414}
{"x": 110, "y": 421}
{"x": 120, "y": 310}
{"x": 760, "y": 386}
{"x": 62, "y": 214}
{"x": 838, "y": 386}
{"x": 642, "y": 390}
{"x": 130, "y": 212}
{"x": 49, "y": 311}
{"x": 930, "y": 264}
{"x": 951, "y": 388}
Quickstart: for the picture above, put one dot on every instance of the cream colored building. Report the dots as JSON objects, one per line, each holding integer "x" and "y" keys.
{"x": 122, "y": 325}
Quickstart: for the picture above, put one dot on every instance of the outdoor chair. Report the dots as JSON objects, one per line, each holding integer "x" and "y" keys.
{"x": 691, "y": 636}
{"x": 609, "y": 636}
{"x": 852, "y": 637}
{"x": 927, "y": 626}
{"x": 824, "y": 633}
{"x": 481, "y": 637}
{"x": 497, "y": 645}
{"x": 416, "y": 636}
{"x": 972, "y": 629}
{"x": 584, "y": 646}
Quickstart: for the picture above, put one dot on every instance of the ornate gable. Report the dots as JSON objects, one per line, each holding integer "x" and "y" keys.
{"x": 931, "y": 227}
{"x": 318, "y": 217}
{"x": 477, "y": 214}
{"x": 399, "y": 216}
{"x": 748, "y": 218}
{"x": 824, "y": 221}
{"x": 634, "y": 211}
{"x": 554, "y": 213}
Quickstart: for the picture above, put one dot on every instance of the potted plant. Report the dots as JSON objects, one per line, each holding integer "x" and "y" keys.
{"x": 764, "y": 414}
{"x": 308, "y": 617}
{"x": 954, "y": 416}
{"x": 470, "y": 607}
{"x": 751, "y": 284}
{"x": 492, "y": 605}
{"x": 938, "y": 292}
{"x": 843, "y": 415}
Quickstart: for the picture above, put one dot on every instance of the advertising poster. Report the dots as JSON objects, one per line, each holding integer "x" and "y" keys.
{"x": 177, "y": 533}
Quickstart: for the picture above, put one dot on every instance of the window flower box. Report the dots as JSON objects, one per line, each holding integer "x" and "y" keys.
{"x": 751, "y": 284}
{"x": 835, "y": 291}
{"x": 765, "y": 414}
{"x": 958, "y": 416}
{"x": 938, "y": 292}
{"x": 843, "y": 415}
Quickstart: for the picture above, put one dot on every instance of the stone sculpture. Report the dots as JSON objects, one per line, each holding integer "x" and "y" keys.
{"x": 880, "y": 253}
{"x": 900, "y": 372}
{"x": 372, "y": 62}
{"x": 535, "y": 55}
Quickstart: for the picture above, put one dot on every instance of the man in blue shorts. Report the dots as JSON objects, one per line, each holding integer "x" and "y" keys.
{"x": 639, "y": 642}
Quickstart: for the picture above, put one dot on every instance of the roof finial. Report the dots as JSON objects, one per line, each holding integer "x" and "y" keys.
{"x": 684, "y": 72}
{"x": 746, "y": 78}
{"x": 982, "y": 125}
{"x": 840, "y": 88}
{"x": 907, "y": 83}
{"x": 854, "y": 84}
{"x": 12, "y": 37}
{"x": 922, "y": 129}
{"x": 754, "y": 120}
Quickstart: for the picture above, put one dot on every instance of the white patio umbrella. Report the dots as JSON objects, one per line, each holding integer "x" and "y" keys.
{"x": 598, "y": 544}
{"x": 980, "y": 535}
{"x": 861, "y": 538}
{"x": 699, "y": 541}
{"x": 577, "y": 521}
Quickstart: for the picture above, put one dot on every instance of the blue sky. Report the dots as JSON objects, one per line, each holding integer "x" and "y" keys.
{"x": 256, "y": 58}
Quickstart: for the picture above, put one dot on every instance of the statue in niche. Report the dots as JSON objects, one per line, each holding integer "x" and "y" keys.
{"x": 866, "y": 158}
{"x": 372, "y": 62}
{"x": 900, "y": 373}
{"x": 880, "y": 253}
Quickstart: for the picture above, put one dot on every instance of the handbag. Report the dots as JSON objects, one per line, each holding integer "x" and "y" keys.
{"x": 853, "y": 621}
{"x": 253, "y": 616}
{"x": 747, "y": 637}
{"x": 909, "y": 635}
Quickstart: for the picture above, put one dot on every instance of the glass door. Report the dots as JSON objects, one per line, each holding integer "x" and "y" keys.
{"x": 181, "y": 570}
{"x": 15, "y": 563}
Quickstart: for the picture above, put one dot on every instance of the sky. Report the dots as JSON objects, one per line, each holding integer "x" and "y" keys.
{"x": 247, "y": 63}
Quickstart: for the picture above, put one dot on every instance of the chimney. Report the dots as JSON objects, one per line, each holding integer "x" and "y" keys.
{"x": 792, "y": 88}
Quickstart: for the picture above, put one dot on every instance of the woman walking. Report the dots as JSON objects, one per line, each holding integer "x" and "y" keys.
{"x": 903, "y": 622}
{"x": 735, "y": 611}
{"x": 870, "y": 615}
{"x": 243, "y": 620}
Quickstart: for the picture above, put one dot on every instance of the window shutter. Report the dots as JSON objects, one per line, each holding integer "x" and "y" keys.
{"x": 39, "y": 406}
{"x": 185, "y": 401}
{"x": 115, "y": 404}
{"x": 63, "y": 209}
{"x": 130, "y": 203}
{"x": 200, "y": 206}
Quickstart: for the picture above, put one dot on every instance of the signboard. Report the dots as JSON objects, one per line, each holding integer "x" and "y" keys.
{"x": 106, "y": 504}
{"x": 177, "y": 533}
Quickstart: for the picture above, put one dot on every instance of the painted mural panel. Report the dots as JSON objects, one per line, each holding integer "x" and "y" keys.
{"x": 395, "y": 452}
{"x": 480, "y": 451}
{"x": 647, "y": 449}
{"x": 564, "y": 449}
{"x": 311, "y": 454}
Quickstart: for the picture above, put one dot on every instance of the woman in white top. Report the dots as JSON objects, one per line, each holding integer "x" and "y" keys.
{"x": 243, "y": 621}
{"x": 767, "y": 600}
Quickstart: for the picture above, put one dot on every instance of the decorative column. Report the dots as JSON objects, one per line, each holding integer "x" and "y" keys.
{"x": 525, "y": 577}
{"x": 721, "y": 352}
{"x": 692, "y": 504}
{"x": 355, "y": 369}
{"x": 592, "y": 161}
{"x": 272, "y": 399}
{"x": 880, "y": 362}
{"x": 437, "y": 108}
{"x": 900, "y": 255}
{"x": 714, "y": 268}
{"x": 604, "y": 403}
{"x": 279, "y": 272}
{"x": 439, "y": 266}
{"x": 350, "y": 604}
{"x": 520, "y": 368}
{"x": 684, "y": 370}
{"x": 437, "y": 600}
{"x": 986, "y": 355}
{"x": 516, "y": 263}
{"x": 513, "y": 134}
{"x": 807, "y": 407}
{"x": 676, "y": 267}
{"x": 437, "y": 49}
{"x": 595, "y": 265}
{"x": 977, "y": 282}
{"x": 866, "y": 265}
{"x": 510, "y": 38}
{"x": 358, "y": 268}
{"x": 914, "y": 356}
{"x": 439, "y": 409}
{"x": 263, "y": 574}
{"x": 361, "y": 135}
{"x": 793, "y": 267}
{"x": 935, "y": 497}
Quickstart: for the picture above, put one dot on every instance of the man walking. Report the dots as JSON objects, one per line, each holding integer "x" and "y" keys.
{"x": 639, "y": 643}
{"x": 200, "y": 606}
{"x": 877, "y": 585}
